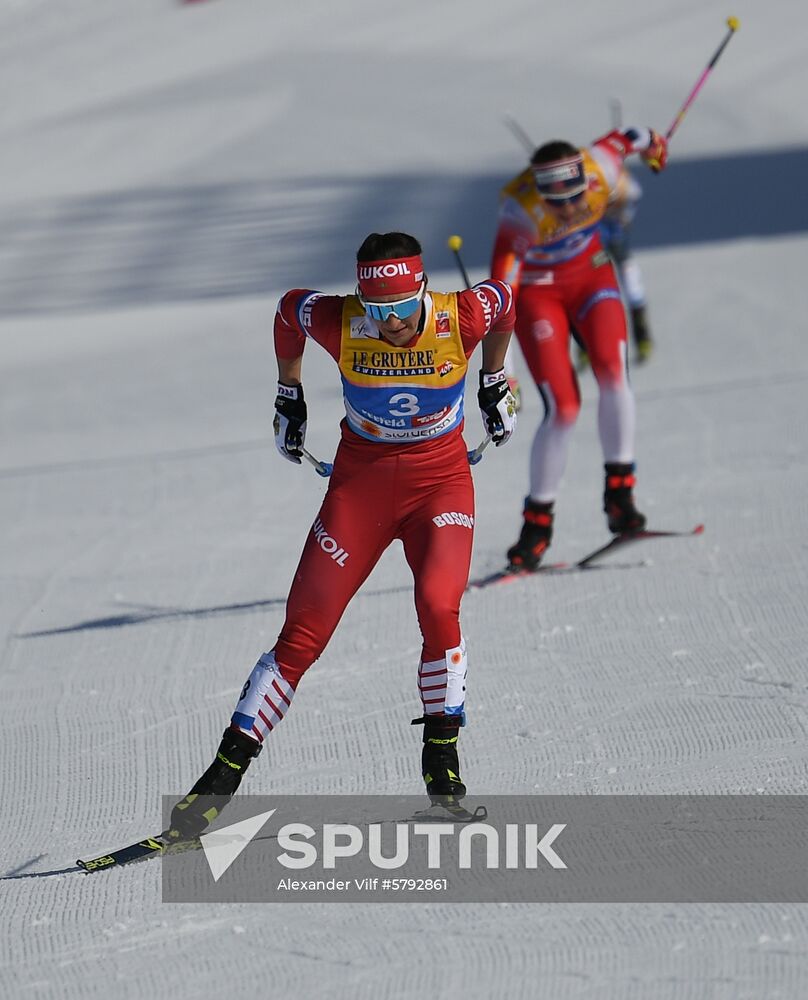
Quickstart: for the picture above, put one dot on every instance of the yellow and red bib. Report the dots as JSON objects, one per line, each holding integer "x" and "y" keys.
{"x": 403, "y": 394}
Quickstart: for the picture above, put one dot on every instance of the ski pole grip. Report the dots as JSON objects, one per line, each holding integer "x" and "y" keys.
{"x": 323, "y": 469}
{"x": 476, "y": 454}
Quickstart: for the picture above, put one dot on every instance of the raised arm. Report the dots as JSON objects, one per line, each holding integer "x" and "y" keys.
{"x": 613, "y": 148}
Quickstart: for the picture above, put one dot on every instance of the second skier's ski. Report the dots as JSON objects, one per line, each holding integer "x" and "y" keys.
{"x": 511, "y": 573}
{"x": 633, "y": 536}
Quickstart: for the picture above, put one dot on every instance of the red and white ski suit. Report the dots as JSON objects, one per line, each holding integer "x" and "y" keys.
{"x": 401, "y": 472}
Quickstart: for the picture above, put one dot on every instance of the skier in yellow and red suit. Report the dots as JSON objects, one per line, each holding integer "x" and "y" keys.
{"x": 548, "y": 248}
{"x": 401, "y": 472}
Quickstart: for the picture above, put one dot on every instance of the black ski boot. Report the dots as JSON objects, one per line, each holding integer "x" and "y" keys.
{"x": 642, "y": 335}
{"x": 618, "y": 499}
{"x": 193, "y": 815}
{"x": 439, "y": 763}
{"x": 535, "y": 536}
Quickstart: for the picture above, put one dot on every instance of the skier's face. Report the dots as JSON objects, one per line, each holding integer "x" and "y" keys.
{"x": 398, "y": 330}
{"x": 566, "y": 210}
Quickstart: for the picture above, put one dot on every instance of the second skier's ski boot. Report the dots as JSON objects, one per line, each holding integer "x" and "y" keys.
{"x": 535, "y": 536}
{"x": 439, "y": 762}
{"x": 192, "y": 816}
{"x": 618, "y": 499}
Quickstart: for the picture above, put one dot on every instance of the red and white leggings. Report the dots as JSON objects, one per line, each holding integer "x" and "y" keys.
{"x": 585, "y": 294}
{"x": 421, "y": 494}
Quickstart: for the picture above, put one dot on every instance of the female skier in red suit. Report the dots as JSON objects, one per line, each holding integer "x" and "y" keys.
{"x": 401, "y": 471}
{"x": 547, "y": 246}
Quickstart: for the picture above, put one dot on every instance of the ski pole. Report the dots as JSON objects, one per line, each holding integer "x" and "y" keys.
{"x": 733, "y": 24}
{"x": 477, "y": 453}
{"x": 455, "y": 243}
{"x": 326, "y": 468}
{"x": 322, "y": 468}
{"x": 520, "y": 134}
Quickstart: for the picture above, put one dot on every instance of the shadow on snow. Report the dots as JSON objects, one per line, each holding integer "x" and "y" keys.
{"x": 157, "y": 245}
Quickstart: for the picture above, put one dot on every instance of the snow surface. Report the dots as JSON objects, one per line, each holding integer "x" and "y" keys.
{"x": 168, "y": 170}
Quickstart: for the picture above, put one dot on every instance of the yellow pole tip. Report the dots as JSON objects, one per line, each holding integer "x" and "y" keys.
{"x": 733, "y": 23}
{"x": 455, "y": 243}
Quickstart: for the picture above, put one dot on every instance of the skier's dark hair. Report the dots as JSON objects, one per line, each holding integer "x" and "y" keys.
{"x": 388, "y": 246}
{"x": 558, "y": 149}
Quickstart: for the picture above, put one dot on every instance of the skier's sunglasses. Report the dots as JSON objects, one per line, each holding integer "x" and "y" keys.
{"x": 562, "y": 197}
{"x": 401, "y": 308}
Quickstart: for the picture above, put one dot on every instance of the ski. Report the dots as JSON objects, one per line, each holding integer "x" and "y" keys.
{"x": 511, "y": 573}
{"x": 633, "y": 536}
{"x": 151, "y": 847}
{"x": 450, "y": 812}
{"x": 155, "y": 847}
